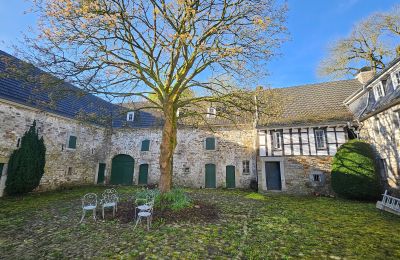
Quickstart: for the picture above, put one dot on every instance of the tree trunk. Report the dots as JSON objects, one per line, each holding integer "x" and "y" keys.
{"x": 167, "y": 148}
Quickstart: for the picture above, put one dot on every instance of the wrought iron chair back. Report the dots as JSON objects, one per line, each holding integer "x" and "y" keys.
{"x": 89, "y": 199}
{"x": 89, "y": 203}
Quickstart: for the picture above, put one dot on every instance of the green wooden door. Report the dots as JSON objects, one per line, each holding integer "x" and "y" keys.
{"x": 273, "y": 175}
{"x": 143, "y": 174}
{"x": 230, "y": 176}
{"x": 100, "y": 173}
{"x": 122, "y": 169}
{"x": 210, "y": 176}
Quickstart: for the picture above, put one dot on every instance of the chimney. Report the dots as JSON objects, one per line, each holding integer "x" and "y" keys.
{"x": 365, "y": 74}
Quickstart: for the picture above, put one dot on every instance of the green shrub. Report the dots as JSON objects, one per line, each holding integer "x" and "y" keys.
{"x": 175, "y": 200}
{"x": 26, "y": 164}
{"x": 355, "y": 172}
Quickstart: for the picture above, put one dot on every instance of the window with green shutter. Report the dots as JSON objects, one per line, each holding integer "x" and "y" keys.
{"x": 72, "y": 142}
{"x": 210, "y": 143}
{"x": 145, "y": 145}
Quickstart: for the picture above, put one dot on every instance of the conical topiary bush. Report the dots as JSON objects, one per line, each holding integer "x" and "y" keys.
{"x": 26, "y": 164}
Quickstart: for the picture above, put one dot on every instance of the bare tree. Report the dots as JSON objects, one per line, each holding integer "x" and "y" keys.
{"x": 159, "y": 48}
{"x": 372, "y": 43}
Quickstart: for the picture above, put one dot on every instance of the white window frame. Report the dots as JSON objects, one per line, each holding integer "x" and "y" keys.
{"x": 397, "y": 117}
{"x": 317, "y": 139}
{"x": 277, "y": 140}
{"x": 246, "y": 166}
{"x": 129, "y": 115}
{"x": 211, "y": 112}
{"x": 178, "y": 111}
{"x": 378, "y": 94}
{"x": 395, "y": 78}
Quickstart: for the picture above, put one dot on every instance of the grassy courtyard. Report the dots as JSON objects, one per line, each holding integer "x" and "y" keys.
{"x": 248, "y": 226}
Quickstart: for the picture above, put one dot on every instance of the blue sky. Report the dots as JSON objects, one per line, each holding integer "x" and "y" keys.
{"x": 313, "y": 24}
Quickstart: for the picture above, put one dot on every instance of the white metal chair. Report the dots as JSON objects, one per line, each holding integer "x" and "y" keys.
{"x": 145, "y": 211}
{"x": 109, "y": 200}
{"x": 89, "y": 203}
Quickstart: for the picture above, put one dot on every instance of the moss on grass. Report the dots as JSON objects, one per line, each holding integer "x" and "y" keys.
{"x": 46, "y": 226}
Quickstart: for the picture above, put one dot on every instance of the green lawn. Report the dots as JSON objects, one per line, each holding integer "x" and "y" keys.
{"x": 250, "y": 226}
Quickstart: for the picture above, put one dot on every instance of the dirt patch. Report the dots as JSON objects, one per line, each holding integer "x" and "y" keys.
{"x": 199, "y": 212}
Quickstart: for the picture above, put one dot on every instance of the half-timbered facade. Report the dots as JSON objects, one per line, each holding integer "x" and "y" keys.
{"x": 295, "y": 150}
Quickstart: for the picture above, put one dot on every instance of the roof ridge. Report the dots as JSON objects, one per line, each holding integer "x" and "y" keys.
{"x": 319, "y": 83}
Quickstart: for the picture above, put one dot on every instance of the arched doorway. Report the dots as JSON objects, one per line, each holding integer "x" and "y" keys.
{"x": 122, "y": 169}
{"x": 210, "y": 181}
{"x": 230, "y": 176}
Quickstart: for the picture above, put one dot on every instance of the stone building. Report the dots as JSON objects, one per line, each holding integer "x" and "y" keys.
{"x": 296, "y": 149}
{"x": 90, "y": 140}
{"x": 376, "y": 108}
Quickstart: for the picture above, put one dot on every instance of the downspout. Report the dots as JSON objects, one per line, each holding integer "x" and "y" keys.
{"x": 362, "y": 112}
{"x": 255, "y": 123}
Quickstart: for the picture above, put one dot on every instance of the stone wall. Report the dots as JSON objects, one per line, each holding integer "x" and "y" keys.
{"x": 92, "y": 143}
{"x": 297, "y": 174}
{"x": 232, "y": 147}
{"x": 381, "y": 131}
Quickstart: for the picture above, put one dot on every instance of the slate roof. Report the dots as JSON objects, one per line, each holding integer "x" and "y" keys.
{"x": 63, "y": 99}
{"x": 313, "y": 104}
{"x": 391, "y": 97}
{"x": 388, "y": 100}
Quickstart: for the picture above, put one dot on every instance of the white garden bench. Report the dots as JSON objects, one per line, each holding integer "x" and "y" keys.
{"x": 389, "y": 203}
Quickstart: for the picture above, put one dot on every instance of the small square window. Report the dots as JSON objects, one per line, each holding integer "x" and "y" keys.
{"x": 210, "y": 143}
{"x": 145, "y": 145}
{"x": 72, "y": 142}
{"x": 186, "y": 170}
{"x": 320, "y": 138}
{"x": 211, "y": 112}
{"x": 246, "y": 166}
{"x": 130, "y": 116}
{"x": 317, "y": 178}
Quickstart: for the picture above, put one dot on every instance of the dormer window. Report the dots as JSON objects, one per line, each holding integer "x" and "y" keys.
{"x": 396, "y": 79}
{"x": 211, "y": 112}
{"x": 130, "y": 116}
{"x": 379, "y": 90}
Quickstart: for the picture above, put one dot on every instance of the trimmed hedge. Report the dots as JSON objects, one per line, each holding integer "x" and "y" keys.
{"x": 355, "y": 173}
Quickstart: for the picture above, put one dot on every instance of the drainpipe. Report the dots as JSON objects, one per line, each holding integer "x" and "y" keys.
{"x": 362, "y": 112}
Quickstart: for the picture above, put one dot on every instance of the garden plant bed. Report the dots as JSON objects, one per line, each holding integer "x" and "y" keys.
{"x": 247, "y": 226}
{"x": 199, "y": 212}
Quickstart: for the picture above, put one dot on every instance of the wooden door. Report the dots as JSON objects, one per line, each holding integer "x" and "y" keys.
{"x": 143, "y": 174}
{"x": 100, "y": 173}
{"x": 210, "y": 176}
{"x": 273, "y": 175}
{"x": 122, "y": 170}
{"x": 230, "y": 176}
